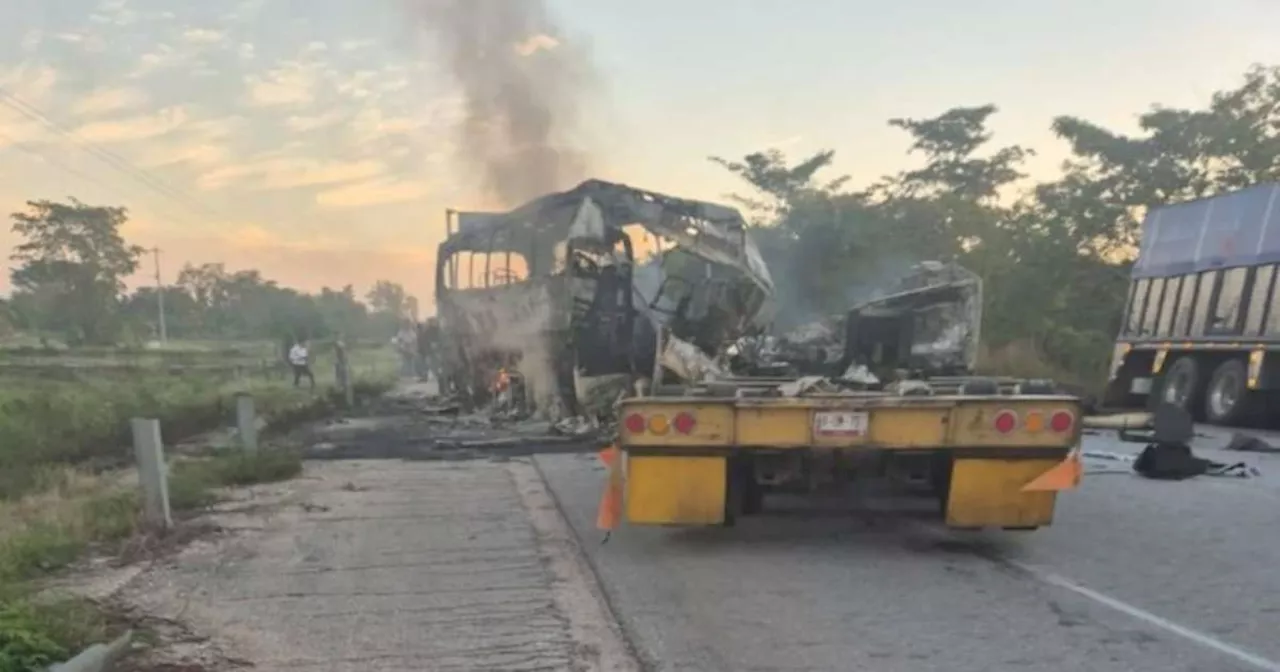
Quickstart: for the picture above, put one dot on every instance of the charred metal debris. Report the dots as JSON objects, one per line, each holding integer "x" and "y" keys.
{"x": 574, "y": 300}
{"x": 557, "y": 306}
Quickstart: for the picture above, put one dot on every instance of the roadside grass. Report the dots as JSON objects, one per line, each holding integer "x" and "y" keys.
{"x": 82, "y": 413}
{"x": 67, "y": 488}
{"x": 43, "y": 533}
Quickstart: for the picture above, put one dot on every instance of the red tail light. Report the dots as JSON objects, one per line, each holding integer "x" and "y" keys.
{"x": 1062, "y": 421}
{"x": 634, "y": 423}
{"x": 685, "y": 423}
{"x": 1006, "y": 421}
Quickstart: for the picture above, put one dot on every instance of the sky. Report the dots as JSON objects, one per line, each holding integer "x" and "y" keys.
{"x": 315, "y": 140}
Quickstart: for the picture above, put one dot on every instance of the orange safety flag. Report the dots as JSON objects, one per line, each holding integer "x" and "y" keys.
{"x": 1063, "y": 476}
{"x": 610, "y": 510}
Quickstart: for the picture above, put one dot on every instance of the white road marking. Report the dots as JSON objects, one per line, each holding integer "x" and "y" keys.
{"x": 1194, "y": 636}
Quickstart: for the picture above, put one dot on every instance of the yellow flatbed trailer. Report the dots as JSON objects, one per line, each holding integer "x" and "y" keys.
{"x": 993, "y": 461}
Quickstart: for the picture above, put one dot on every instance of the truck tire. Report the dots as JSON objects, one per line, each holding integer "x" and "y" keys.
{"x": 1226, "y": 398}
{"x": 1183, "y": 385}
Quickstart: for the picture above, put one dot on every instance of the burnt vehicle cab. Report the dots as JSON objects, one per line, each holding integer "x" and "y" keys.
{"x": 559, "y": 291}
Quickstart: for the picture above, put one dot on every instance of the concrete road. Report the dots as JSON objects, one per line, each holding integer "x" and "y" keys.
{"x": 387, "y": 566}
{"x": 1135, "y": 575}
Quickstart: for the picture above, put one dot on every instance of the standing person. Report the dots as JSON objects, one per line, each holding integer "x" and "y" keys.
{"x": 430, "y": 347}
{"x": 300, "y": 360}
{"x": 406, "y": 342}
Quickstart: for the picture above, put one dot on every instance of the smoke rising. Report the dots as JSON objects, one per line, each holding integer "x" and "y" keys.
{"x": 523, "y": 88}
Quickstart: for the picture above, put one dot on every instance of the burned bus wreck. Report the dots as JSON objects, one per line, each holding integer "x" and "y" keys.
{"x": 564, "y": 297}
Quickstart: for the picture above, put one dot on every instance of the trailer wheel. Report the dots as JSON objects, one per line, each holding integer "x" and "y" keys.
{"x": 1226, "y": 400}
{"x": 1182, "y": 384}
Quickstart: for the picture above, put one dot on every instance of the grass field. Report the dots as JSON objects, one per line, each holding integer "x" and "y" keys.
{"x": 66, "y": 485}
{"x": 73, "y": 407}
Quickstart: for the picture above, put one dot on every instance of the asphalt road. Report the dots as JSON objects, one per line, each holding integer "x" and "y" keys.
{"x": 1134, "y": 575}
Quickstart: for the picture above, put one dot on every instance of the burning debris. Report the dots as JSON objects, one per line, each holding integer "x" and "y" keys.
{"x": 924, "y": 325}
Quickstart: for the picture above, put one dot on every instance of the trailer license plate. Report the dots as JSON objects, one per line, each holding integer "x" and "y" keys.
{"x": 840, "y": 423}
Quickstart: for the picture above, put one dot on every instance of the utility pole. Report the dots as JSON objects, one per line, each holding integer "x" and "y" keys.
{"x": 164, "y": 331}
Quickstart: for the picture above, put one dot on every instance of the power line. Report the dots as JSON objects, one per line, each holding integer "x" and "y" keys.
{"x": 119, "y": 163}
{"x": 68, "y": 168}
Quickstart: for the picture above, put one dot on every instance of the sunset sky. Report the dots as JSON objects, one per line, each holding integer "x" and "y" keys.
{"x": 313, "y": 139}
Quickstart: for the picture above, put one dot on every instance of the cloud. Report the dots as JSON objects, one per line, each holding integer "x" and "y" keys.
{"x": 161, "y": 57}
{"x": 31, "y": 41}
{"x": 30, "y": 82}
{"x": 781, "y": 143}
{"x": 371, "y": 123}
{"x": 303, "y": 124}
{"x": 535, "y": 44}
{"x": 214, "y": 129}
{"x": 115, "y": 12}
{"x": 375, "y": 192}
{"x": 142, "y": 127}
{"x": 292, "y": 83}
{"x": 252, "y": 235}
{"x": 355, "y": 45}
{"x": 104, "y": 101}
{"x": 203, "y": 36}
{"x": 245, "y": 11}
{"x": 197, "y": 154}
{"x": 290, "y": 173}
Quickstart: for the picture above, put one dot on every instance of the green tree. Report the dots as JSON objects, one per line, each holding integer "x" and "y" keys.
{"x": 389, "y": 298}
{"x": 780, "y": 185}
{"x": 73, "y": 262}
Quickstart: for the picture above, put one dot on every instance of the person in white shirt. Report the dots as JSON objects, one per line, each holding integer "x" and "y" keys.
{"x": 300, "y": 360}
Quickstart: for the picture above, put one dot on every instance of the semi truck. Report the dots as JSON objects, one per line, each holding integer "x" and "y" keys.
{"x": 1201, "y": 325}
{"x": 902, "y": 413}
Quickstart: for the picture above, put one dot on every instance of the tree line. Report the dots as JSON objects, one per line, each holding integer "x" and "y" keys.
{"x": 1055, "y": 255}
{"x": 68, "y": 282}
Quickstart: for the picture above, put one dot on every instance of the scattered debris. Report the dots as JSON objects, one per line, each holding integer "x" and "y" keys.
{"x": 925, "y": 324}
{"x": 1167, "y": 455}
{"x": 1250, "y": 444}
{"x": 806, "y": 385}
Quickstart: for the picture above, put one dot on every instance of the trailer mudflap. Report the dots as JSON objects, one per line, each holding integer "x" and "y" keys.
{"x": 676, "y": 489}
{"x": 991, "y": 492}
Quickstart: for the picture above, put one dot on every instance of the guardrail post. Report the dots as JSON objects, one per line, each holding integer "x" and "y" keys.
{"x": 246, "y": 422}
{"x": 148, "y": 450}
